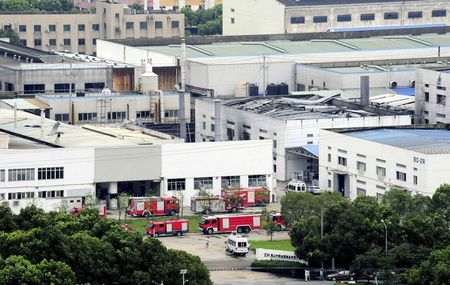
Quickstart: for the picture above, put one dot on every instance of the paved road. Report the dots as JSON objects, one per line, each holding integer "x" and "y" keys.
{"x": 257, "y": 278}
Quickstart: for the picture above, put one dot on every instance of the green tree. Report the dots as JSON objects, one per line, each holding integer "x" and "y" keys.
{"x": 122, "y": 202}
{"x": 11, "y": 35}
{"x": 55, "y": 272}
{"x": 271, "y": 227}
{"x": 434, "y": 270}
{"x": 203, "y": 21}
{"x": 137, "y": 6}
{"x": 7, "y": 222}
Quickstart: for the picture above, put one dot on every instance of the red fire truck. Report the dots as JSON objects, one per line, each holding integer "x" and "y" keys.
{"x": 230, "y": 223}
{"x": 76, "y": 211}
{"x": 153, "y": 206}
{"x": 277, "y": 218}
{"x": 171, "y": 227}
{"x": 214, "y": 204}
{"x": 249, "y": 197}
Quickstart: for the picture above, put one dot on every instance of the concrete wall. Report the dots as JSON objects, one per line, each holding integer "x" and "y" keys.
{"x": 430, "y": 174}
{"x": 78, "y": 178}
{"x": 432, "y": 83}
{"x": 215, "y": 159}
{"x": 252, "y": 17}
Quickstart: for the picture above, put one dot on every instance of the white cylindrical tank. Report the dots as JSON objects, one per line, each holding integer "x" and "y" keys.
{"x": 149, "y": 80}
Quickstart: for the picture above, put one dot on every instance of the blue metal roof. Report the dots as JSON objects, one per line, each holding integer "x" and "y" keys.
{"x": 427, "y": 141}
{"x": 312, "y": 148}
{"x": 407, "y": 91}
{"x": 385, "y": 28}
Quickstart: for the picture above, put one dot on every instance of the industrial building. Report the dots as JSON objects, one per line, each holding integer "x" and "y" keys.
{"x": 432, "y": 90}
{"x": 49, "y": 164}
{"x": 79, "y": 32}
{"x": 168, "y": 5}
{"x": 371, "y": 161}
{"x": 219, "y": 68}
{"x": 292, "y": 123}
{"x": 245, "y": 17}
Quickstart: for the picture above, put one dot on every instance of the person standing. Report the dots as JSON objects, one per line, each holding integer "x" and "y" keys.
{"x": 307, "y": 277}
{"x": 321, "y": 274}
{"x": 207, "y": 242}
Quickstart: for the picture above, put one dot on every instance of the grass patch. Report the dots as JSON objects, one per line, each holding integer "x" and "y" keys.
{"x": 139, "y": 224}
{"x": 284, "y": 244}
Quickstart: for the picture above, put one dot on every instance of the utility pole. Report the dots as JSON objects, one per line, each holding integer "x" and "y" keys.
{"x": 264, "y": 73}
{"x": 183, "y": 272}
{"x": 70, "y": 75}
{"x": 385, "y": 237}
{"x": 321, "y": 234}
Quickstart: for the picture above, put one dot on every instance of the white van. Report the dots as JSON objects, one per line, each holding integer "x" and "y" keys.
{"x": 237, "y": 245}
{"x": 296, "y": 186}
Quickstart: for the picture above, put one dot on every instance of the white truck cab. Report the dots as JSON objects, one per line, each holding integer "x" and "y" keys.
{"x": 296, "y": 186}
{"x": 237, "y": 245}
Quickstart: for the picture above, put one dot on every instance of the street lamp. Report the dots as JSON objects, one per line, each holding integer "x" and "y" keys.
{"x": 385, "y": 236}
{"x": 183, "y": 272}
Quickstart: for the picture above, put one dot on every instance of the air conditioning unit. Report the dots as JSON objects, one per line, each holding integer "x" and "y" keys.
{"x": 392, "y": 84}
{"x": 47, "y": 31}
{"x": 150, "y": 16}
{"x": 412, "y": 83}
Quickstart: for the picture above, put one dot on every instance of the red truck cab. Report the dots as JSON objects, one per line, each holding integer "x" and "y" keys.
{"x": 277, "y": 218}
{"x": 153, "y": 206}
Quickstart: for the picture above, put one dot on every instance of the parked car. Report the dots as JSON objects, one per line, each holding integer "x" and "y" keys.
{"x": 237, "y": 245}
{"x": 341, "y": 276}
{"x": 314, "y": 190}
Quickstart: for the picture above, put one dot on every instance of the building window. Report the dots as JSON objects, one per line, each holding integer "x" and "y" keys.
{"x": 171, "y": 113}
{"x": 117, "y": 115}
{"x": 401, "y": 176}
{"x": 344, "y": 18}
{"x": 158, "y": 25}
{"x": 46, "y": 173}
{"x": 361, "y": 166}
{"x": 33, "y": 88}
{"x": 2, "y": 175}
{"x": 441, "y": 99}
{"x": 379, "y": 197}
{"x": 342, "y": 150}
{"x": 204, "y": 125}
{"x": 52, "y": 42}
{"x": 329, "y": 157}
{"x": 360, "y": 192}
{"x": 22, "y": 28}
{"x": 176, "y": 184}
{"x": 37, "y": 28}
{"x": 117, "y": 15}
{"x": 81, "y": 42}
{"x": 143, "y": 114}
{"x": 62, "y": 117}
{"x": 37, "y": 42}
{"x": 246, "y": 136}
{"x": 400, "y": 165}
{"x": 309, "y": 135}
{"x": 342, "y": 161}
{"x": 175, "y": 24}
{"x": 66, "y": 28}
{"x": 130, "y": 25}
{"x": 20, "y": 195}
{"x": 66, "y": 42}
{"x": 360, "y": 155}
{"x": 381, "y": 172}
{"x": 52, "y": 28}
{"x": 391, "y": 16}
{"x": 63, "y": 87}
{"x": 87, "y": 117}
{"x": 439, "y": 13}
{"x": 213, "y": 128}
{"x": 441, "y": 88}
{"x": 440, "y": 115}
{"x": 96, "y": 27}
{"x": 24, "y": 43}
{"x": 367, "y": 17}
{"x": 232, "y": 21}
{"x": 414, "y": 14}
{"x": 274, "y": 143}
{"x": 298, "y": 20}
{"x": 94, "y": 42}
{"x": 203, "y": 183}
{"x": 21, "y": 174}
{"x": 256, "y": 181}
{"x": 231, "y": 182}
{"x": 51, "y": 194}
{"x": 329, "y": 183}
{"x": 94, "y": 86}
{"x": 143, "y": 25}
{"x": 81, "y": 27}
{"x": 415, "y": 179}
{"x": 320, "y": 19}
{"x": 361, "y": 182}
{"x": 427, "y": 96}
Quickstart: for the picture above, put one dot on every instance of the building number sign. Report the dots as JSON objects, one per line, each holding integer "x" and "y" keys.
{"x": 419, "y": 160}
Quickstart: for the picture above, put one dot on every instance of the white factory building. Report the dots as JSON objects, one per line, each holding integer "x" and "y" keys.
{"x": 432, "y": 91}
{"x": 291, "y": 123}
{"x": 371, "y": 161}
{"x": 221, "y": 69}
{"x": 246, "y": 17}
{"x": 48, "y": 163}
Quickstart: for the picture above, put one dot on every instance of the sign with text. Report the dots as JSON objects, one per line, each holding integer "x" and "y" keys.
{"x": 271, "y": 254}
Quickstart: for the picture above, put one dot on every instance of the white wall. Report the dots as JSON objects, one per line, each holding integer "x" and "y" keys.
{"x": 78, "y": 178}
{"x": 252, "y": 17}
{"x": 215, "y": 159}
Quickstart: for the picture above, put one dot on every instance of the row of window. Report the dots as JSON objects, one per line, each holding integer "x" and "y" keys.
{"x": 28, "y": 174}
{"x": 52, "y": 42}
{"x": 61, "y": 87}
{"x": 158, "y": 25}
{"x": 440, "y": 99}
{"x": 52, "y": 28}
{"x": 204, "y": 183}
{"x": 30, "y": 195}
{"x": 368, "y": 17}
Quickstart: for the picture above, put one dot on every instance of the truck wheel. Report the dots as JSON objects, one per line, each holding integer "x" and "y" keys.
{"x": 172, "y": 213}
{"x": 207, "y": 211}
{"x": 210, "y": 231}
{"x": 147, "y": 214}
{"x": 179, "y": 234}
{"x": 247, "y": 230}
{"x": 278, "y": 227}
{"x": 233, "y": 210}
{"x": 239, "y": 230}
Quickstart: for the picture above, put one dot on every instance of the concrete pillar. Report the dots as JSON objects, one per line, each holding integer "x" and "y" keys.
{"x": 217, "y": 121}
{"x": 182, "y": 114}
{"x": 364, "y": 91}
